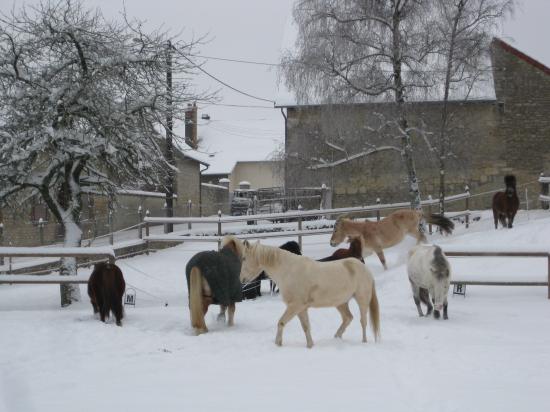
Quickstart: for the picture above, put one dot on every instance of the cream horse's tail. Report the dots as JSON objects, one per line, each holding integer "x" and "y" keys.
{"x": 195, "y": 301}
{"x": 374, "y": 314}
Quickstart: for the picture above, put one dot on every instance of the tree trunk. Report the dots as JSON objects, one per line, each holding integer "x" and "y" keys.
{"x": 70, "y": 292}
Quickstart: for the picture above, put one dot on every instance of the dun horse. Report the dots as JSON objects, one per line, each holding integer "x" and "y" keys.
{"x": 429, "y": 273}
{"x": 105, "y": 288}
{"x": 305, "y": 283}
{"x": 213, "y": 278}
{"x": 355, "y": 250}
{"x": 506, "y": 204}
{"x": 391, "y": 230}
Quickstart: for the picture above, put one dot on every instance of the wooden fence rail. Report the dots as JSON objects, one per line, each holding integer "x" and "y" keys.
{"x": 451, "y": 251}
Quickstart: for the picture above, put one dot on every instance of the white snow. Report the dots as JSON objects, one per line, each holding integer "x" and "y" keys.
{"x": 492, "y": 354}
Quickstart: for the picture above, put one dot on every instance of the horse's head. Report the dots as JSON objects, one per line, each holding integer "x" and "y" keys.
{"x": 250, "y": 268}
{"x": 510, "y": 182}
{"x": 338, "y": 234}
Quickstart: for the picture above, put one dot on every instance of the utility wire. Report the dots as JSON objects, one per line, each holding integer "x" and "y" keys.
{"x": 235, "y": 60}
{"x": 224, "y": 83}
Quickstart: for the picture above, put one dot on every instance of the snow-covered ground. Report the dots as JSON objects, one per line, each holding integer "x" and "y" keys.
{"x": 492, "y": 354}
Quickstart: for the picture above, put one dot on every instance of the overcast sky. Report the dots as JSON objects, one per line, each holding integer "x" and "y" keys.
{"x": 254, "y": 30}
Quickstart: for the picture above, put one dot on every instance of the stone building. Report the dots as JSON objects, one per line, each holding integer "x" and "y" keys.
{"x": 507, "y": 132}
{"x": 33, "y": 225}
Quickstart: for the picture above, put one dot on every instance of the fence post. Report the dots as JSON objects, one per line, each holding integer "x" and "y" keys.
{"x": 147, "y": 213}
{"x": 140, "y": 222}
{"x": 300, "y": 226}
{"x": 189, "y": 208}
{"x": 548, "y": 276}
{"x": 378, "y": 210}
{"x": 111, "y": 235}
{"x": 544, "y": 192}
{"x": 467, "y": 201}
{"x": 430, "y": 213}
{"x": 41, "y": 231}
{"x": 1, "y": 241}
{"x": 219, "y": 229}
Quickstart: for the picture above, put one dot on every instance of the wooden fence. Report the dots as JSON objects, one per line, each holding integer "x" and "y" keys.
{"x": 457, "y": 251}
{"x": 298, "y": 216}
{"x": 93, "y": 254}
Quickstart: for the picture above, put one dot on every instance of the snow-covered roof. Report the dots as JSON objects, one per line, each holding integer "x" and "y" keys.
{"x": 239, "y": 134}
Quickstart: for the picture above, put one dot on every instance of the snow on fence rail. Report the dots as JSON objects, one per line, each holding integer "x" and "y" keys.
{"x": 500, "y": 251}
{"x": 99, "y": 253}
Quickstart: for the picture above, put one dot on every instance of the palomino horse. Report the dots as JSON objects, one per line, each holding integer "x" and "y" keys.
{"x": 429, "y": 272}
{"x": 213, "y": 278}
{"x": 506, "y": 204}
{"x": 355, "y": 250}
{"x": 252, "y": 290}
{"x": 106, "y": 287}
{"x": 388, "y": 232}
{"x": 306, "y": 283}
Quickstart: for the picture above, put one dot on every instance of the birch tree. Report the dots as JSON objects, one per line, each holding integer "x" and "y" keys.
{"x": 82, "y": 104}
{"x": 465, "y": 28}
{"x": 363, "y": 50}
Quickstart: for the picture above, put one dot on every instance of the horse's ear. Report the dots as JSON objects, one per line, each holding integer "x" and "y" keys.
{"x": 246, "y": 244}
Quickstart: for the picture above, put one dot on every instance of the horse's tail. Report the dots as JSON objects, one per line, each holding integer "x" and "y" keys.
{"x": 374, "y": 314}
{"x": 443, "y": 222}
{"x": 196, "y": 301}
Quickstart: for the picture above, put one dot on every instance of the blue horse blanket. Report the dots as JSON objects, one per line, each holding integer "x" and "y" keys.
{"x": 221, "y": 270}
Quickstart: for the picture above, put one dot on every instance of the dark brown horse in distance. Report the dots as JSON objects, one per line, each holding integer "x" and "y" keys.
{"x": 391, "y": 230}
{"x": 106, "y": 287}
{"x": 506, "y": 204}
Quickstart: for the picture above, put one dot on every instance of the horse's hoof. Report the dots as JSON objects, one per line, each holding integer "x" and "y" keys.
{"x": 310, "y": 345}
{"x": 201, "y": 331}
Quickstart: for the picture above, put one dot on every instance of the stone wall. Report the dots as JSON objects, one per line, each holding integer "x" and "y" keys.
{"x": 488, "y": 138}
{"x": 215, "y": 198}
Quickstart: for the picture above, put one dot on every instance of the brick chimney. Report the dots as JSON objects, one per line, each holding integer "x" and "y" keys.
{"x": 191, "y": 126}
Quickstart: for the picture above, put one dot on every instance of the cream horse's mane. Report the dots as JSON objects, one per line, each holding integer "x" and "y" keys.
{"x": 238, "y": 244}
{"x": 267, "y": 255}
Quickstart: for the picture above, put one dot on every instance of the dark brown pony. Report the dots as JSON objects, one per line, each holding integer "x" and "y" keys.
{"x": 355, "y": 250}
{"x": 106, "y": 287}
{"x": 506, "y": 204}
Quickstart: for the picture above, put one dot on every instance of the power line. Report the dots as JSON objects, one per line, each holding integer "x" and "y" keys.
{"x": 224, "y": 83}
{"x": 235, "y": 60}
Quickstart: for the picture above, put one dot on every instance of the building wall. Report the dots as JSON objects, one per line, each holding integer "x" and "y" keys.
{"x": 260, "y": 174}
{"x": 488, "y": 138}
{"x": 215, "y": 198}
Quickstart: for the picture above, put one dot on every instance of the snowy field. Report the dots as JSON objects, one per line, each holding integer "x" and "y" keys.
{"x": 493, "y": 354}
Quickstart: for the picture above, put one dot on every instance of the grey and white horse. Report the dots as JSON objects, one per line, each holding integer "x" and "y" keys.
{"x": 430, "y": 275}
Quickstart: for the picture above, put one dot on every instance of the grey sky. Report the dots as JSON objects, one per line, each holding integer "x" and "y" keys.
{"x": 254, "y": 30}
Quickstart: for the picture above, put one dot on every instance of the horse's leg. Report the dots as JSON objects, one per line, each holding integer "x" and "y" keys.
{"x": 304, "y": 320}
{"x": 221, "y": 315}
{"x": 382, "y": 258}
{"x": 425, "y": 298}
{"x": 445, "y": 310}
{"x": 416, "y": 297}
{"x": 230, "y": 322}
{"x": 291, "y": 311}
{"x": 502, "y": 219}
{"x": 347, "y": 317}
{"x": 363, "y": 303}
{"x": 510, "y": 219}
{"x": 495, "y": 218}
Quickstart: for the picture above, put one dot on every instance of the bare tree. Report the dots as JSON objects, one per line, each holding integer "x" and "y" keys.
{"x": 82, "y": 103}
{"x": 364, "y": 50}
{"x": 465, "y": 29}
